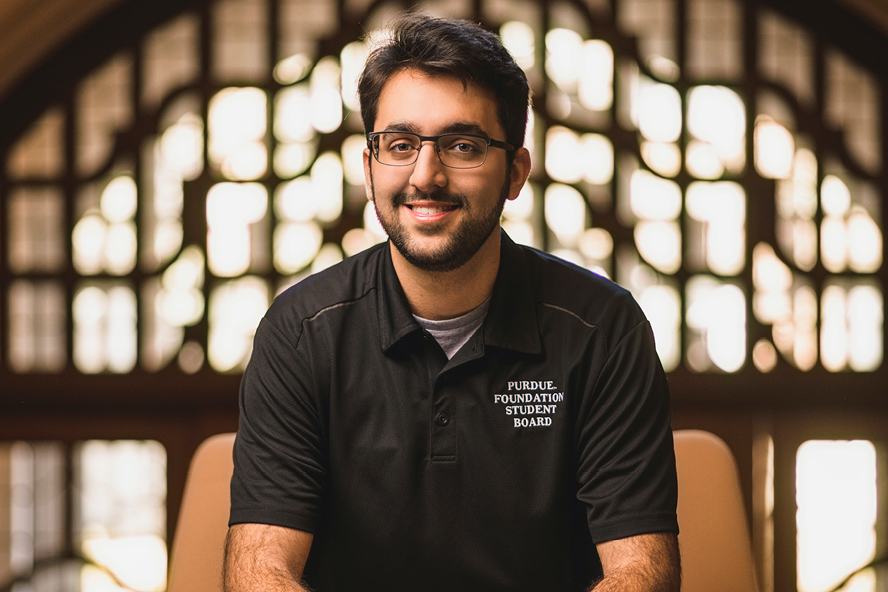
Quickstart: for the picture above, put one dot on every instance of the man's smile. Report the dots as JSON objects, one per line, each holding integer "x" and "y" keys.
{"x": 426, "y": 210}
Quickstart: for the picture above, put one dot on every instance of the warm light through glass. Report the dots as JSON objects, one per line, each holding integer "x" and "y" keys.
{"x": 654, "y": 198}
{"x": 774, "y": 150}
{"x": 518, "y": 37}
{"x": 180, "y": 301}
{"x": 721, "y": 206}
{"x": 772, "y": 280}
{"x": 571, "y": 157}
{"x": 104, "y": 329}
{"x": 291, "y": 121}
{"x": 659, "y": 243}
{"x": 237, "y": 124}
{"x": 565, "y": 211}
{"x": 663, "y": 158}
{"x": 296, "y": 244}
{"x": 662, "y": 307}
{"x": 292, "y": 69}
{"x": 659, "y": 113}
{"x": 325, "y": 103}
{"x": 836, "y": 495}
{"x": 835, "y": 197}
{"x": 180, "y": 148}
{"x": 718, "y": 312}
{"x": 235, "y": 309}
{"x": 864, "y": 242}
{"x": 121, "y": 521}
{"x": 353, "y": 56}
{"x": 596, "y": 79}
{"x": 231, "y": 209}
{"x": 564, "y": 51}
{"x": 851, "y": 328}
{"x": 717, "y": 115}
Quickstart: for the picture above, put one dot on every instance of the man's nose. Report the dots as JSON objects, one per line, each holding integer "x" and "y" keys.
{"x": 428, "y": 170}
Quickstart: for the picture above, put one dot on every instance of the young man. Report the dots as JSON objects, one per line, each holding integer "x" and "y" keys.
{"x": 449, "y": 410}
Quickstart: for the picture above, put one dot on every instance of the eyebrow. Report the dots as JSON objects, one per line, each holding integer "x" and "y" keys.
{"x": 459, "y": 127}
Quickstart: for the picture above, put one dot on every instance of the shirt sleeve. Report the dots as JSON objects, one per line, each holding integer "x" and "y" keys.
{"x": 626, "y": 468}
{"x": 279, "y": 454}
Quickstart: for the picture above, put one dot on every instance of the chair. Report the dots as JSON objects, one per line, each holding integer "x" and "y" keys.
{"x": 714, "y": 539}
{"x": 715, "y": 547}
{"x": 196, "y": 558}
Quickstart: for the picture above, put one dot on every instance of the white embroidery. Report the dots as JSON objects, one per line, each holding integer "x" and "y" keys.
{"x": 530, "y": 403}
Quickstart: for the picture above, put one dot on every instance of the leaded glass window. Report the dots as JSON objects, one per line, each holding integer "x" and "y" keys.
{"x": 236, "y": 171}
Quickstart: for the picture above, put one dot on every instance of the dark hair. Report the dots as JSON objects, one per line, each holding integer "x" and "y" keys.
{"x": 458, "y": 48}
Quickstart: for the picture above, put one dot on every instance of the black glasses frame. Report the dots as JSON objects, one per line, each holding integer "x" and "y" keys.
{"x": 374, "y": 146}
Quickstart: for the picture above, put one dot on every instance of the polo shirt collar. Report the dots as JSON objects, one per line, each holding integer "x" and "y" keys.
{"x": 511, "y": 321}
{"x": 395, "y": 319}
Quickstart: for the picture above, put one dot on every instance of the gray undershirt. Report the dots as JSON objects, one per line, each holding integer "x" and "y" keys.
{"x": 452, "y": 334}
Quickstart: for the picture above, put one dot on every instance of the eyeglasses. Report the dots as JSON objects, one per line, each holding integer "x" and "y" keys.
{"x": 458, "y": 151}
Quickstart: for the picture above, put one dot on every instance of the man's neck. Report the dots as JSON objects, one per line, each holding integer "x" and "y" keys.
{"x": 449, "y": 294}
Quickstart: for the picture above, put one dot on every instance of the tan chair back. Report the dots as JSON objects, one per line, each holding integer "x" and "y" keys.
{"x": 714, "y": 539}
{"x": 716, "y": 553}
{"x": 197, "y": 553}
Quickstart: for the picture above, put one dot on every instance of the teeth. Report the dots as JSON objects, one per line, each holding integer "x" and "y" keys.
{"x": 420, "y": 210}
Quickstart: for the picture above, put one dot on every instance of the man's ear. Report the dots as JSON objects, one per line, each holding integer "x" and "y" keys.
{"x": 368, "y": 177}
{"x": 519, "y": 172}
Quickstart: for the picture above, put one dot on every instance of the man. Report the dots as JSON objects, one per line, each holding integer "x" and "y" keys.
{"x": 449, "y": 410}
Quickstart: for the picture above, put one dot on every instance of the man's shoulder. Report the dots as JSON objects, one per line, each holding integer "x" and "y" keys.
{"x": 348, "y": 281}
{"x": 562, "y": 284}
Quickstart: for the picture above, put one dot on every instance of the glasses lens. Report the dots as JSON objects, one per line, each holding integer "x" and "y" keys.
{"x": 462, "y": 152}
{"x": 396, "y": 148}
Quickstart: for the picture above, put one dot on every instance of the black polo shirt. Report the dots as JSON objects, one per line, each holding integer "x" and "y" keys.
{"x": 495, "y": 470}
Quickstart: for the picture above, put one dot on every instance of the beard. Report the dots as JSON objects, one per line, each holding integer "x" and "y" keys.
{"x": 459, "y": 247}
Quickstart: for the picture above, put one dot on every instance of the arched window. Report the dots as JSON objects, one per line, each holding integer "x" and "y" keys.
{"x": 725, "y": 169}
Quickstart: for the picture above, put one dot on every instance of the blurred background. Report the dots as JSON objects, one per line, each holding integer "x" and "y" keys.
{"x": 167, "y": 167}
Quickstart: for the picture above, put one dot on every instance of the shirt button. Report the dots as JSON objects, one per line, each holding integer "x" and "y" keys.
{"x": 442, "y": 420}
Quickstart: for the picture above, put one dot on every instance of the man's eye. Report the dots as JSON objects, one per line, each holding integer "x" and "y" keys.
{"x": 401, "y": 147}
{"x": 462, "y": 146}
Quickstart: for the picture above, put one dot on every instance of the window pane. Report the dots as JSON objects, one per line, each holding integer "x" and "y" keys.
{"x": 785, "y": 54}
{"x": 234, "y": 213}
{"x": 39, "y": 152}
{"x": 104, "y": 237}
{"x": 104, "y": 328}
{"x": 716, "y": 320}
{"x": 715, "y": 47}
{"x": 169, "y": 159}
{"x": 120, "y": 514}
{"x": 720, "y": 210}
{"x": 301, "y": 23}
{"x": 850, "y": 235}
{"x": 851, "y": 327}
{"x": 653, "y": 22}
{"x": 852, "y": 104}
{"x": 104, "y": 105}
{"x": 32, "y": 499}
{"x": 36, "y": 230}
{"x": 837, "y": 511}
{"x": 236, "y": 308}
{"x": 170, "y": 303}
{"x": 37, "y": 315}
{"x": 171, "y": 58}
{"x": 717, "y": 120}
{"x": 237, "y": 121}
{"x": 240, "y": 40}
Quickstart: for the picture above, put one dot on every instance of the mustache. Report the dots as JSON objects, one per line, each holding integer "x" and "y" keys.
{"x": 458, "y": 199}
